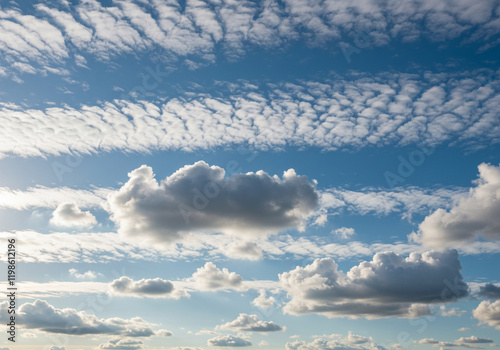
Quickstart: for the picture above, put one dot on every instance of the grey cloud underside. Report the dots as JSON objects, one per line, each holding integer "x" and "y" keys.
{"x": 42, "y": 316}
{"x": 346, "y": 112}
{"x": 490, "y": 291}
{"x": 389, "y": 285}
{"x": 199, "y": 197}
{"x": 251, "y": 323}
{"x": 228, "y": 340}
{"x": 198, "y": 28}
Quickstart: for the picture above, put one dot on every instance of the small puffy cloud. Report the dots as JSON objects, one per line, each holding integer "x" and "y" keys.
{"x": 262, "y": 301}
{"x": 489, "y": 291}
{"x": 344, "y": 232}
{"x": 210, "y": 277}
{"x": 477, "y": 215}
{"x": 464, "y": 329}
{"x": 250, "y": 323}
{"x": 263, "y": 343}
{"x": 122, "y": 344}
{"x": 463, "y": 342}
{"x": 199, "y": 197}
{"x": 427, "y": 341}
{"x": 452, "y": 312}
{"x": 335, "y": 342}
{"x": 163, "y": 333}
{"x": 229, "y": 340}
{"x": 69, "y": 215}
{"x": 488, "y": 313}
{"x": 153, "y": 288}
{"x": 375, "y": 289}
{"x": 88, "y": 275}
{"x": 42, "y": 316}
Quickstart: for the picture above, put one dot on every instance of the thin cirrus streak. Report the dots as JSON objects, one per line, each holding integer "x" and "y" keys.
{"x": 343, "y": 113}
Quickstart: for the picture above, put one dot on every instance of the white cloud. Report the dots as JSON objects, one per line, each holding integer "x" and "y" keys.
{"x": 228, "y": 340}
{"x": 199, "y": 198}
{"x": 463, "y": 342}
{"x": 69, "y": 215}
{"x": 90, "y": 275}
{"x": 153, "y": 288}
{"x": 347, "y": 112}
{"x": 452, "y": 312}
{"x": 44, "y": 317}
{"x": 373, "y": 289}
{"x": 250, "y": 323}
{"x": 262, "y": 301}
{"x": 488, "y": 313}
{"x": 344, "y": 232}
{"x": 477, "y": 215}
{"x": 209, "y": 277}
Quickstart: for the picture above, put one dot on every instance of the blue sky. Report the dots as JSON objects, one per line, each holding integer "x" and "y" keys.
{"x": 213, "y": 174}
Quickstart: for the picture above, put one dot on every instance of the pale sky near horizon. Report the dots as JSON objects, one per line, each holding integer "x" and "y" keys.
{"x": 214, "y": 174}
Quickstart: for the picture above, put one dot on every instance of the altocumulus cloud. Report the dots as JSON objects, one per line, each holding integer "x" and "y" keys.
{"x": 387, "y": 286}
{"x": 475, "y": 216}
{"x": 250, "y": 323}
{"x": 199, "y": 197}
{"x": 335, "y": 342}
{"x": 42, "y": 316}
{"x": 153, "y": 288}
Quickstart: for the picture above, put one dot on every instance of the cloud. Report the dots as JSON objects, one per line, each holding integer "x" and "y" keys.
{"x": 362, "y": 112}
{"x": 488, "y": 313}
{"x": 262, "y": 301}
{"x": 464, "y": 329}
{"x": 243, "y": 250}
{"x": 490, "y": 291}
{"x": 452, "y": 312}
{"x": 90, "y": 275}
{"x": 69, "y": 215}
{"x": 463, "y": 342}
{"x": 57, "y": 348}
{"x": 374, "y": 289}
{"x": 228, "y": 340}
{"x": 152, "y": 288}
{"x": 122, "y": 344}
{"x": 199, "y": 197}
{"x": 344, "y": 232}
{"x": 42, "y": 316}
{"x": 209, "y": 277}
{"x": 335, "y": 342}
{"x": 250, "y": 323}
{"x": 477, "y": 215}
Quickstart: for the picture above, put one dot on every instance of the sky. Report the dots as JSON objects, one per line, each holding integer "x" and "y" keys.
{"x": 276, "y": 174}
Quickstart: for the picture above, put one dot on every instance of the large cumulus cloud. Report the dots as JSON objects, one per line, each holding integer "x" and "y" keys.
{"x": 475, "y": 216}
{"x": 388, "y": 286}
{"x": 199, "y": 197}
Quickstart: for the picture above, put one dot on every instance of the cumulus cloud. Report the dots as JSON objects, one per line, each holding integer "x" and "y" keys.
{"x": 476, "y": 216}
{"x": 153, "y": 288}
{"x": 344, "y": 232}
{"x": 262, "y": 301}
{"x": 69, "y": 215}
{"x": 488, "y": 313}
{"x": 335, "y": 342}
{"x": 243, "y": 250}
{"x": 489, "y": 291}
{"x": 122, "y": 344}
{"x": 250, "y": 323}
{"x": 228, "y": 340}
{"x": 346, "y": 112}
{"x": 463, "y": 342}
{"x": 375, "y": 289}
{"x": 42, "y": 316}
{"x": 199, "y": 197}
{"x": 210, "y": 277}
